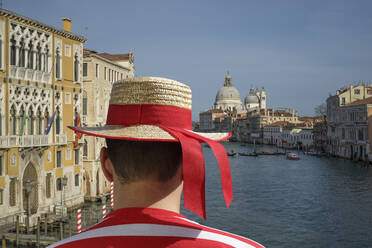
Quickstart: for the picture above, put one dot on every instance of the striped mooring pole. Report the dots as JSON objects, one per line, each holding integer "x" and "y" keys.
{"x": 112, "y": 195}
{"x": 79, "y": 220}
{"x": 103, "y": 207}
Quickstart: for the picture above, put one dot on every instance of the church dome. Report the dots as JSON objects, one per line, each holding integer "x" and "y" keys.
{"x": 251, "y": 98}
{"x": 227, "y": 93}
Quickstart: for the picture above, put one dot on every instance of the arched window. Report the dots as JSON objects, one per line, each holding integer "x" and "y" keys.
{"x": 30, "y": 57}
{"x": 39, "y": 122}
{"x": 58, "y": 64}
{"x": 38, "y": 57}
{"x": 12, "y": 51}
{"x": 46, "y": 58}
{"x": 21, "y": 62}
{"x": 1, "y": 52}
{"x": 76, "y": 118}
{"x": 21, "y": 122}
{"x": 13, "y": 121}
{"x": 31, "y": 119}
{"x": 76, "y": 68}
{"x": 58, "y": 122}
{"x": 46, "y": 118}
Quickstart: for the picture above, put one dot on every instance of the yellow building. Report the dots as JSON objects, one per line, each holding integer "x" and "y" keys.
{"x": 40, "y": 78}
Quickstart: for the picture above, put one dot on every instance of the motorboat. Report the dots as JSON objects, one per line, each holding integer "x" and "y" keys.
{"x": 292, "y": 156}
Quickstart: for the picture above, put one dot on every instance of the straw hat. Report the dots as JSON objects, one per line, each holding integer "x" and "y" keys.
{"x": 142, "y": 91}
{"x": 159, "y": 109}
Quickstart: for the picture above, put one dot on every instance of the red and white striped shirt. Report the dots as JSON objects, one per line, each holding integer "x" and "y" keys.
{"x": 150, "y": 227}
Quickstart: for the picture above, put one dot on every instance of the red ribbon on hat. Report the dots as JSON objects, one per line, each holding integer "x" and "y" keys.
{"x": 177, "y": 121}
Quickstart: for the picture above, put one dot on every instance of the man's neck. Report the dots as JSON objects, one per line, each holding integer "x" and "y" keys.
{"x": 148, "y": 193}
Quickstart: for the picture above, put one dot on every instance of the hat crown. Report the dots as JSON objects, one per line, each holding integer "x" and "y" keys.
{"x": 151, "y": 90}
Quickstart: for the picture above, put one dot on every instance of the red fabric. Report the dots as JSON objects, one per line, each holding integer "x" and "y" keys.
{"x": 127, "y": 115}
{"x": 193, "y": 234}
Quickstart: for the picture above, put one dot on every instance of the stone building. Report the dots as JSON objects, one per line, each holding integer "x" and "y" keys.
{"x": 320, "y": 135}
{"x": 100, "y": 71}
{"x": 40, "y": 95}
{"x": 343, "y": 126}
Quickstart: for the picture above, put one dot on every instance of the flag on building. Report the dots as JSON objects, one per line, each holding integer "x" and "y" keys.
{"x": 77, "y": 135}
{"x": 22, "y": 125}
{"x": 50, "y": 123}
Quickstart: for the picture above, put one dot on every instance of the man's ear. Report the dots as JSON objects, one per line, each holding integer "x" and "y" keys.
{"x": 106, "y": 164}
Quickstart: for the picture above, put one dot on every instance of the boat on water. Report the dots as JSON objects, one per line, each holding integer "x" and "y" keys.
{"x": 252, "y": 154}
{"x": 231, "y": 153}
{"x": 292, "y": 156}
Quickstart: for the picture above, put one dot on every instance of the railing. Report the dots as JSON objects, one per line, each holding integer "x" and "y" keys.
{"x": 61, "y": 139}
{"x": 24, "y": 141}
{"x": 29, "y": 74}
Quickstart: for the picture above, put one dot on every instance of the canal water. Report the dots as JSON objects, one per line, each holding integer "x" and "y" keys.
{"x": 312, "y": 202}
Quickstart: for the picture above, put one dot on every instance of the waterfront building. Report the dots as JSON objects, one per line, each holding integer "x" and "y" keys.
{"x": 320, "y": 135}
{"x": 40, "y": 94}
{"x": 340, "y": 127}
{"x": 272, "y": 132}
{"x": 100, "y": 71}
{"x": 351, "y": 133}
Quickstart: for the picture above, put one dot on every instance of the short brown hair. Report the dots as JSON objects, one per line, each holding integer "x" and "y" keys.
{"x": 137, "y": 160}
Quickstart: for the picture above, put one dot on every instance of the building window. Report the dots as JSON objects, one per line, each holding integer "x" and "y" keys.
{"x": 77, "y": 158}
{"x": 30, "y": 122}
{"x": 85, "y": 149}
{"x": 46, "y": 58}
{"x": 1, "y": 165}
{"x": 85, "y": 106}
{"x": 39, "y": 122}
{"x": 76, "y": 68}
{"x": 67, "y": 50}
{"x": 58, "y": 122}
{"x": 1, "y": 196}
{"x": 21, "y": 62}
{"x": 48, "y": 181}
{"x": 59, "y": 184}
{"x": 109, "y": 75}
{"x": 356, "y": 91}
{"x": 12, "y": 192}
{"x": 30, "y": 56}
{"x": 58, "y": 64}
{"x": 67, "y": 98}
{"x": 68, "y": 154}
{"x": 96, "y": 70}
{"x": 343, "y": 101}
{"x": 13, "y": 51}
{"x": 76, "y": 180}
{"x": 85, "y": 69}
{"x": 105, "y": 73}
{"x": 38, "y": 57}
{"x": 13, "y": 121}
{"x": 59, "y": 159}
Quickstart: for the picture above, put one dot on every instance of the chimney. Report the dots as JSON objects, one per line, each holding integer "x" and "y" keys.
{"x": 66, "y": 22}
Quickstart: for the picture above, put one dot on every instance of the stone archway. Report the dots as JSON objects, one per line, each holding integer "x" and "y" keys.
{"x": 30, "y": 176}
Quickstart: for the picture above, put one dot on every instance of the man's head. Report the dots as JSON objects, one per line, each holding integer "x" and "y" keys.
{"x": 142, "y": 160}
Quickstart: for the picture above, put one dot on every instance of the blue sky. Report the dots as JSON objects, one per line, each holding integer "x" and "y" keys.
{"x": 300, "y": 51}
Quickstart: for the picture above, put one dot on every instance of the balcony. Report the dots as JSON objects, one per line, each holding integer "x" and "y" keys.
{"x": 24, "y": 141}
{"x": 61, "y": 139}
{"x": 29, "y": 74}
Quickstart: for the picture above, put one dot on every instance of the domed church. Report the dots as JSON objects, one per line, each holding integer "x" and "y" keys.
{"x": 255, "y": 100}
{"x": 228, "y": 97}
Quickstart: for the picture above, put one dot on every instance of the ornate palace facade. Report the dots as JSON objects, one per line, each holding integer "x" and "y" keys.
{"x": 40, "y": 94}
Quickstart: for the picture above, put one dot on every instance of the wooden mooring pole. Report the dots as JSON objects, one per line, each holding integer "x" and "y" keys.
{"x": 3, "y": 242}
{"x": 61, "y": 230}
{"x": 38, "y": 232}
{"x": 17, "y": 231}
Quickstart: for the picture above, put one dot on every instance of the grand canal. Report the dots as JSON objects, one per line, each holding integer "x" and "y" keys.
{"x": 313, "y": 202}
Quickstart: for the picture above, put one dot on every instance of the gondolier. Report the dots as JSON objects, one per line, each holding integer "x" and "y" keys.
{"x": 152, "y": 155}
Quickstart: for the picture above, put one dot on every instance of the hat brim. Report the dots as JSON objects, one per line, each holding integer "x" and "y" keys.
{"x": 141, "y": 133}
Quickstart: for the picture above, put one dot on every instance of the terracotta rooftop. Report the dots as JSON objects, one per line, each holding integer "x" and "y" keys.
{"x": 213, "y": 111}
{"x": 278, "y": 123}
{"x": 115, "y": 57}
